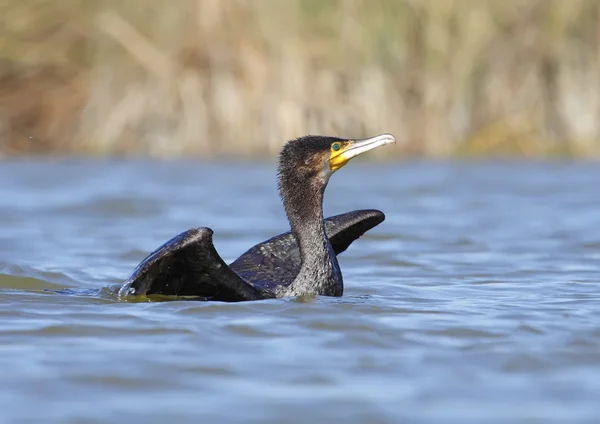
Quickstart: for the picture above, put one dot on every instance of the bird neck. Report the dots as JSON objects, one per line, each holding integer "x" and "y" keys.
{"x": 305, "y": 215}
{"x": 319, "y": 272}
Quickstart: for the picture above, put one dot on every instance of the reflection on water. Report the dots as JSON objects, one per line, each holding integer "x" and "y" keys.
{"x": 476, "y": 299}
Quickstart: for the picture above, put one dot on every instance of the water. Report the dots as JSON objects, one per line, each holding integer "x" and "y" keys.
{"x": 477, "y": 300}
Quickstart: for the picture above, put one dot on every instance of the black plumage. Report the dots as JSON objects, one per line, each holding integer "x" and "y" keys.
{"x": 302, "y": 261}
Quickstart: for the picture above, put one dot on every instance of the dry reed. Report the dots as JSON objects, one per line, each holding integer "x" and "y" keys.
{"x": 239, "y": 77}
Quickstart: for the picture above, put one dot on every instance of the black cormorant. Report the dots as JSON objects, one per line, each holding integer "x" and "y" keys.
{"x": 300, "y": 262}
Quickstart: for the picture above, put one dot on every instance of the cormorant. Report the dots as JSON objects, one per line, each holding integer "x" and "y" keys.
{"x": 300, "y": 262}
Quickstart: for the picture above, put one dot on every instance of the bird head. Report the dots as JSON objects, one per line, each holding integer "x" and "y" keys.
{"x": 319, "y": 156}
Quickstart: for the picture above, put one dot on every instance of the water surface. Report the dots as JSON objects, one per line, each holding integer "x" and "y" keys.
{"x": 475, "y": 301}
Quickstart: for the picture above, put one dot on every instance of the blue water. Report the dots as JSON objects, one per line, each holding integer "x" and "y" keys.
{"x": 477, "y": 300}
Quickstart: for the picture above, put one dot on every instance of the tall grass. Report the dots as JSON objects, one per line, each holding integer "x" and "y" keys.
{"x": 239, "y": 77}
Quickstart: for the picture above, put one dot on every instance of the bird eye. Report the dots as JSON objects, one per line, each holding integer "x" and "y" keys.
{"x": 335, "y": 146}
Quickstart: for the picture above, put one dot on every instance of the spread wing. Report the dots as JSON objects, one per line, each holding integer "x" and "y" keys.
{"x": 189, "y": 265}
{"x": 276, "y": 261}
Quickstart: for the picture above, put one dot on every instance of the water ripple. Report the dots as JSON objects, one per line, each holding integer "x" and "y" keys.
{"x": 475, "y": 301}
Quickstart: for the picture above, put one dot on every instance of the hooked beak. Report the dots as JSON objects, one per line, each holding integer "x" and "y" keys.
{"x": 354, "y": 148}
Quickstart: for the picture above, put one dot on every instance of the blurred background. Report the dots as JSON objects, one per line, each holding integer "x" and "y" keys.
{"x": 240, "y": 77}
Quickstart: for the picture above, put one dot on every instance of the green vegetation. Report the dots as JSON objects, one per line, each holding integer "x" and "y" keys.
{"x": 239, "y": 77}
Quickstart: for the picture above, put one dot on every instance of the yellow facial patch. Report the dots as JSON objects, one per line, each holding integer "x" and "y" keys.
{"x": 336, "y": 156}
